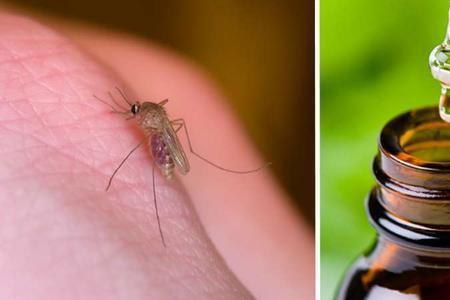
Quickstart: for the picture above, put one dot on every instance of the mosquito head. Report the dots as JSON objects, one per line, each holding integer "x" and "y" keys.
{"x": 135, "y": 108}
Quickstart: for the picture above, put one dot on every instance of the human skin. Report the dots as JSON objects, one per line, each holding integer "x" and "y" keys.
{"x": 62, "y": 236}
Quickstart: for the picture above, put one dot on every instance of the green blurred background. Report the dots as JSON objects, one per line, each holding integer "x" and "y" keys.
{"x": 374, "y": 65}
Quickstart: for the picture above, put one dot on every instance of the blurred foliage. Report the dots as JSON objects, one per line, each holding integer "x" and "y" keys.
{"x": 374, "y": 65}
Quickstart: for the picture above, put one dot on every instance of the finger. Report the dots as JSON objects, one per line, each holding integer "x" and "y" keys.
{"x": 248, "y": 217}
{"x": 61, "y": 233}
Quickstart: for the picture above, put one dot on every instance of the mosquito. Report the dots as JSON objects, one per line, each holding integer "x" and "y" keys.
{"x": 166, "y": 149}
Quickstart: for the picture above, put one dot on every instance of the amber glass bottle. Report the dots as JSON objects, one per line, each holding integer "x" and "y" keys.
{"x": 410, "y": 210}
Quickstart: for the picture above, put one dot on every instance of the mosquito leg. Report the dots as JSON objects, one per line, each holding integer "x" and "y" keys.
{"x": 123, "y": 96}
{"x": 156, "y": 207}
{"x": 178, "y": 128}
{"x": 182, "y": 123}
{"x": 123, "y": 161}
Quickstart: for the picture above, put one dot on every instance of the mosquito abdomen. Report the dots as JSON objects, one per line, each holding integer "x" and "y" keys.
{"x": 161, "y": 155}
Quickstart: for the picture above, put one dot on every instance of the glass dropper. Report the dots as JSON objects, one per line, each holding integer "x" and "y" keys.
{"x": 440, "y": 68}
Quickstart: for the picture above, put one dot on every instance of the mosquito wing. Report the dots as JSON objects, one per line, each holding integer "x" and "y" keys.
{"x": 176, "y": 150}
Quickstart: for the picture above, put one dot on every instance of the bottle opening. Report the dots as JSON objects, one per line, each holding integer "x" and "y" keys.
{"x": 428, "y": 142}
{"x": 418, "y": 139}
{"x": 413, "y": 169}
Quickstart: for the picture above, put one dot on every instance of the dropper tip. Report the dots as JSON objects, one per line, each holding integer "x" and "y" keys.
{"x": 447, "y": 36}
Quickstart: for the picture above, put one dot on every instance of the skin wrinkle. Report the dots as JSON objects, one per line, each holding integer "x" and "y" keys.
{"x": 62, "y": 223}
{"x": 17, "y": 171}
{"x": 46, "y": 144}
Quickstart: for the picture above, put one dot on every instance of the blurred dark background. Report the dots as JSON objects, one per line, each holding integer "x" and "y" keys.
{"x": 261, "y": 54}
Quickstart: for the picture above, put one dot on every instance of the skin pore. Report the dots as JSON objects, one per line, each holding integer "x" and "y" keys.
{"x": 61, "y": 233}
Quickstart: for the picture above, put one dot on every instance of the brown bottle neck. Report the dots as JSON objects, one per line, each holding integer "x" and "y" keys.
{"x": 391, "y": 255}
{"x": 412, "y": 200}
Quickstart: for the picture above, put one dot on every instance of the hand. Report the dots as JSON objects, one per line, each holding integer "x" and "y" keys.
{"x": 62, "y": 236}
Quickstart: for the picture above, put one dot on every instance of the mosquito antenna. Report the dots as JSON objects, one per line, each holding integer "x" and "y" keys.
{"x": 183, "y": 124}
{"x": 121, "y": 164}
{"x": 123, "y": 95}
{"x": 156, "y": 207}
{"x": 109, "y": 104}
{"x": 114, "y": 100}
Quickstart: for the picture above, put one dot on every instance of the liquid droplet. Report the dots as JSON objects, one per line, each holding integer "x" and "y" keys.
{"x": 440, "y": 68}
